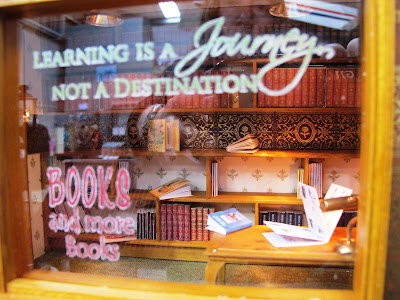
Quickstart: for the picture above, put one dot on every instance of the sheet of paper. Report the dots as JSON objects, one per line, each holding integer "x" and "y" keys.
{"x": 279, "y": 241}
{"x": 292, "y": 230}
{"x": 313, "y": 211}
{"x": 321, "y": 224}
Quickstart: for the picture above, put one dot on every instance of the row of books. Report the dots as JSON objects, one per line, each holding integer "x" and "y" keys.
{"x": 280, "y": 216}
{"x": 315, "y": 177}
{"x": 319, "y": 87}
{"x": 184, "y": 222}
{"x": 146, "y": 223}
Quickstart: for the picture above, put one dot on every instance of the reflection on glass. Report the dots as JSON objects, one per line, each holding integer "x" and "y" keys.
{"x": 115, "y": 112}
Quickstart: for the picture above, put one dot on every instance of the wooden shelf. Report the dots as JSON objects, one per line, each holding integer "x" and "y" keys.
{"x": 191, "y": 244}
{"x": 125, "y": 152}
{"x": 261, "y": 198}
{"x": 219, "y": 110}
{"x": 226, "y": 197}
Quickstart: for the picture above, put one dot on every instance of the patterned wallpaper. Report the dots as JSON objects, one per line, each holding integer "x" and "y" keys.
{"x": 276, "y": 131}
{"x": 245, "y": 174}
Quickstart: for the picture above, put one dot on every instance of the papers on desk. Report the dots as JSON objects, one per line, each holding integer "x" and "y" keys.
{"x": 321, "y": 224}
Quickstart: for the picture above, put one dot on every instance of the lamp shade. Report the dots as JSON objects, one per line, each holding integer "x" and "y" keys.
{"x": 103, "y": 19}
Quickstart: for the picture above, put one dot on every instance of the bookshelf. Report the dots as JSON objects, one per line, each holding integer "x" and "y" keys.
{"x": 190, "y": 250}
{"x": 312, "y": 129}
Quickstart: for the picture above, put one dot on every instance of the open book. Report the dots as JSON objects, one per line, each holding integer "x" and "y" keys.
{"x": 176, "y": 188}
{"x": 247, "y": 144}
{"x": 321, "y": 225}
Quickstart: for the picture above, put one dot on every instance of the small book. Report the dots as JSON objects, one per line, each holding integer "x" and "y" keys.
{"x": 227, "y": 221}
{"x": 163, "y": 135}
{"x": 115, "y": 238}
{"x": 156, "y": 140}
{"x": 176, "y": 188}
{"x": 321, "y": 224}
{"x": 247, "y": 144}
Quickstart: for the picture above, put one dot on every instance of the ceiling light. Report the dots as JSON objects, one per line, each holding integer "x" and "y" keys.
{"x": 103, "y": 19}
{"x": 169, "y": 9}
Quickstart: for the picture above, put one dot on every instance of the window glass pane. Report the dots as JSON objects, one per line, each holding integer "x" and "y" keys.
{"x": 121, "y": 104}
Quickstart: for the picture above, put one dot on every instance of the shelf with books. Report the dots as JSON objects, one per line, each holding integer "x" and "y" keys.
{"x": 343, "y": 73}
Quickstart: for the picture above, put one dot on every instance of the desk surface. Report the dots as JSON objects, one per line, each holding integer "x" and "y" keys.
{"x": 250, "y": 246}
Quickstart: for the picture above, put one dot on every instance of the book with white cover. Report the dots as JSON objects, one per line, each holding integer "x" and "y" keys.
{"x": 321, "y": 225}
{"x": 247, "y": 144}
{"x": 227, "y": 221}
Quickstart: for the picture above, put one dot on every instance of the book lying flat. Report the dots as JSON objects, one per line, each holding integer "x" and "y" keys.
{"x": 227, "y": 221}
{"x": 247, "y": 144}
{"x": 176, "y": 188}
{"x": 321, "y": 225}
{"x": 115, "y": 238}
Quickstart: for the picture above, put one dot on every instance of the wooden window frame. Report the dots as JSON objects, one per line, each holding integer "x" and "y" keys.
{"x": 17, "y": 277}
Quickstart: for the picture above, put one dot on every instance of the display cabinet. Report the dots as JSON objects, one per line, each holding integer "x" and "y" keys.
{"x": 96, "y": 89}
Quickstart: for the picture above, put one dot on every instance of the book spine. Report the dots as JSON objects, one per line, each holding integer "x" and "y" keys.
{"x": 344, "y": 77}
{"x": 175, "y": 228}
{"x": 320, "y": 94}
{"x": 224, "y": 96}
{"x": 273, "y": 216}
{"x": 211, "y": 210}
{"x": 305, "y": 86}
{"x": 329, "y": 87}
{"x": 186, "y": 221}
{"x": 351, "y": 86}
{"x": 282, "y": 84}
{"x": 163, "y": 219}
{"x": 290, "y": 218}
{"x": 205, "y": 231}
{"x": 264, "y": 216}
{"x": 281, "y": 216}
{"x": 199, "y": 226}
{"x": 275, "y": 86}
{"x": 291, "y": 72}
{"x": 337, "y": 80}
{"x": 181, "y": 224}
{"x": 298, "y": 218}
{"x": 312, "y": 87}
{"x": 261, "y": 95}
{"x": 169, "y": 222}
{"x": 153, "y": 224}
{"x": 357, "y": 96}
{"x": 193, "y": 223}
{"x": 146, "y": 223}
{"x": 297, "y": 95}
{"x": 196, "y": 96}
{"x": 268, "y": 83}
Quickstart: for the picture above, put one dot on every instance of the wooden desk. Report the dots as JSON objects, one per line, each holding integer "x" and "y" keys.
{"x": 249, "y": 246}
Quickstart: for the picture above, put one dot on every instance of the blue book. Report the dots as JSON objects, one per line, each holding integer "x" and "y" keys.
{"x": 227, "y": 221}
